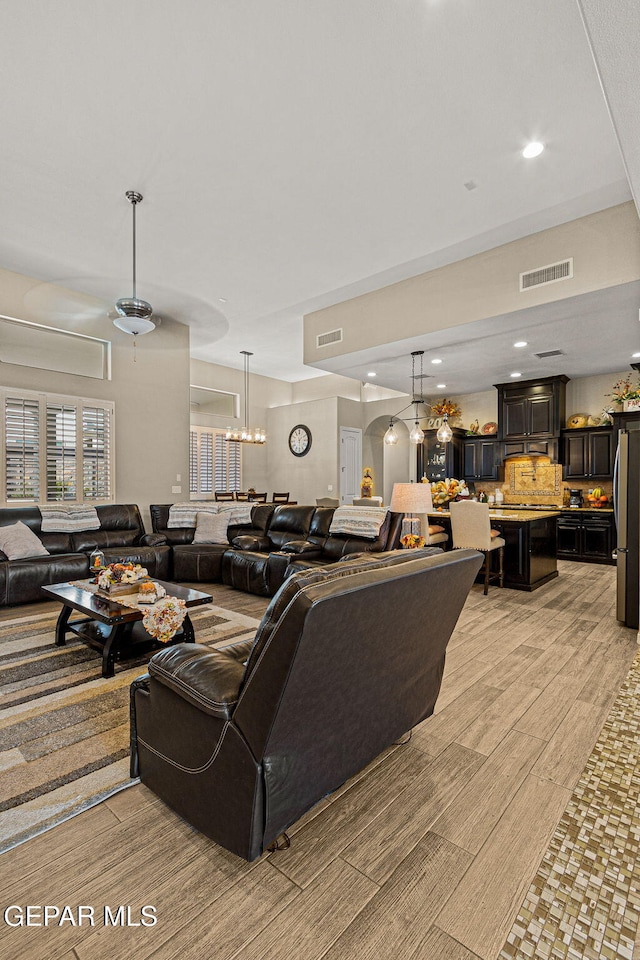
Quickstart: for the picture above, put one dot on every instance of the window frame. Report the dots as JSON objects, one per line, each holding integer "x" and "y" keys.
{"x": 45, "y": 402}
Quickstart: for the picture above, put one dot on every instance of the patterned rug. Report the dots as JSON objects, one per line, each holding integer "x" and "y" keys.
{"x": 64, "y": 730}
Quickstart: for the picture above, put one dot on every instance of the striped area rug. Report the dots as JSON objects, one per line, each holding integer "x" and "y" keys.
{"x": 64, "y": 730}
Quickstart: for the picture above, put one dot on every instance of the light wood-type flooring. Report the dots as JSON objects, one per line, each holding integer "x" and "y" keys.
{"x": 427, "y": 853}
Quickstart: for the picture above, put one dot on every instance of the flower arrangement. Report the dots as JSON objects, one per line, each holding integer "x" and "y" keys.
{"x": 116, "y": 573}
{"x": 411, "y": 541}
{"x": 448, "y": 408}
{"x": 443, "y": 491}
{"x": 165, "y": 618}
{"x": 623, "y": 390}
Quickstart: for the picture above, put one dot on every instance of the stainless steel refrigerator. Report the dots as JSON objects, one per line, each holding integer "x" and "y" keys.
{"x": 626, "y": 491}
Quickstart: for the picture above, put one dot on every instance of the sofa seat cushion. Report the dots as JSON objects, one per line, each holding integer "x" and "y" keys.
{"x": 23, "y": 579}
{"x": 17, "y": 541}
{"x": 198, "y": 562}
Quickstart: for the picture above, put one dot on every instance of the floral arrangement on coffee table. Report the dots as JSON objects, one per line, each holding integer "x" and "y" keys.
{"x": 116, "y": 573}
{"x": 165, "y": 618}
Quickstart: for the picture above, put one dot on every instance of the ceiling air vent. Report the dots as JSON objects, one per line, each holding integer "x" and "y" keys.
{"x": 333, "y": 336}
{"x": 549, "y": 353}
{"x": 549, "y": 274}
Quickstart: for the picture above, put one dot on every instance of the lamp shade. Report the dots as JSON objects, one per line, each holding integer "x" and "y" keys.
{"x": 411, "y": 498}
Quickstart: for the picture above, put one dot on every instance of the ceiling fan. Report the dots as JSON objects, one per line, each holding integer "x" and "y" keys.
{"x": 134, "y": 316}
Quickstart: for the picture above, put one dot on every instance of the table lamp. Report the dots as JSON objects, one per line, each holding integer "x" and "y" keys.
{"x": 414, "y": 500}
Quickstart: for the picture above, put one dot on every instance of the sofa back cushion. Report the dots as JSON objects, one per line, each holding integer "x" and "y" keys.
{"x": 337, "y": 545}
{"x": 31, "y": 517}
{"x": 260, "y": 517}
{"x": 120, "y": 526}
{"x": 289, "y": 523}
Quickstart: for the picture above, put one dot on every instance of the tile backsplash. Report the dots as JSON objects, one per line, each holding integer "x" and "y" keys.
{"x": 538, "y": 481}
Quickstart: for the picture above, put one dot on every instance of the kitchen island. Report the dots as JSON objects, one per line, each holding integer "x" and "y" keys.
{"x": 530, "y": 552}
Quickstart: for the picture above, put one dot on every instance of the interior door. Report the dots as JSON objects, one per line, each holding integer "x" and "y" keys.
{"x": 350, "y": 463}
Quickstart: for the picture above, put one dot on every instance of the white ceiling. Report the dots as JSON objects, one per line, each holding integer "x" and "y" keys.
{"x": 291, "y": 153}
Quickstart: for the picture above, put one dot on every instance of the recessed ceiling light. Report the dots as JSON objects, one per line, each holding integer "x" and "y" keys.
{"x": 533, "y": 149}
{"x": 371, "y": 373}
{"x": 436, "y": 360}
{"x": 516, "y": 374}
{"x": 521, "y": 343}
{"x": 441, "y": 386}
{"x": 634, "y": 356}
{"x": 223, "y": 300}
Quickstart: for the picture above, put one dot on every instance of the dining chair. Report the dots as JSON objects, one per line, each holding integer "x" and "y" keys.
{"x": 471, "y": 528}
{"x": 258, "y": 497}
{"x": 223, "y": 495}
{"x": 241, "y": 496}
{"x": 280, "y": 497}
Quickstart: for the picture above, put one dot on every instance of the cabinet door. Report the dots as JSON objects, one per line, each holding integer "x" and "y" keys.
{"x": 486, "y": 460}
{"x": 576, "y": 450}
{"x": 469, "y": 460}
{"x": 436, "y": 459}
{"x": 597, "y": 539}
{"x": 515, "y": 415}
{"x": 569, "y": 537}
{"x": 601, "y": 454}
{"x": 541, "y": 415}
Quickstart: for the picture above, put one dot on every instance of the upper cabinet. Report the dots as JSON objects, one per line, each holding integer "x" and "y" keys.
{"x": 531, "y": 408}
{"x": 438, "y": 460}
{"x": 588, "y": 453}
{"x": 479, "y": 459}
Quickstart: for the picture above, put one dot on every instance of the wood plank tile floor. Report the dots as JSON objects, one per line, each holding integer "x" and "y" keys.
{"x": 428, "y": 853}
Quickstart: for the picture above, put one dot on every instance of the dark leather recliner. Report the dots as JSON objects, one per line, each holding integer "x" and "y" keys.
{"x": 345, "y": 661}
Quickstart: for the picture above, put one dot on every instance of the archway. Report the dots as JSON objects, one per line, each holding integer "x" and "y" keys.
{"x": 390, "y": 464}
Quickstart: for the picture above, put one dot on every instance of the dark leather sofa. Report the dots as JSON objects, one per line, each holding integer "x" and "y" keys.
{"x": 242, "y": 741}
{"x": 257, "y": 557}
{"x": 121, "y": 536}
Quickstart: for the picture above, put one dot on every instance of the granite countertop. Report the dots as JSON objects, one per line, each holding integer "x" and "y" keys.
{"x": 515, "y": 516}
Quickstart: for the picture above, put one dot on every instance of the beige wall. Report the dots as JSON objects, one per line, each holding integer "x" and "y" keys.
{"x": 485, "y": 285}
{"x": 308, "y": 477}
{"x": 149, "y": 388}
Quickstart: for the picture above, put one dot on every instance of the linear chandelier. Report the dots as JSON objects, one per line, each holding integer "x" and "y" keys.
{"x": 246, "y": 434}
{"x": 416, "y": 434}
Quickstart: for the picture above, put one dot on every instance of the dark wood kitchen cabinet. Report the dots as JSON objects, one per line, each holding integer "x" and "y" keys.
{"x": 531, "y": 408}
{"x": 479, "y": 459}
{"x": 586, "y": 535}
{"x": 438, "y": 460}
{"x": 588, "y": 454}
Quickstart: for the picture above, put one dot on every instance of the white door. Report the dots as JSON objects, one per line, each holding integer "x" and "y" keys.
{"x": 350, "y": 463}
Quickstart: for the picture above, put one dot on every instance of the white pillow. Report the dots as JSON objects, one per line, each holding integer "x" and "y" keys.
{"x": 18, "y": 542}
{"x": 211, "y": 528}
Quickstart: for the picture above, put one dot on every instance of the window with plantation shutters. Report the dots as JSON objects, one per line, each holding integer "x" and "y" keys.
{"x": 214, "y": 463}
{"x": 56, "y": 448}
{"x": 96, "y": 453}
{"x": 22, "y": 449}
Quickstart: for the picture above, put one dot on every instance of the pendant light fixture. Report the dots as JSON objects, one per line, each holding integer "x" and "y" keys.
{"x": 246, "y": 434}
{"x": 134, "y": 315}
{"x": 417, "y": 433}
{"x": 445, "y": 433}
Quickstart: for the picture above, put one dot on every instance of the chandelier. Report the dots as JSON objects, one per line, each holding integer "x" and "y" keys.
{"x": 416, "y": 434}
{"x": 246, "y": 434}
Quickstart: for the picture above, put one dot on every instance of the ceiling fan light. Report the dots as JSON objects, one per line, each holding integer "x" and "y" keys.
{"x": 136, "y": 326}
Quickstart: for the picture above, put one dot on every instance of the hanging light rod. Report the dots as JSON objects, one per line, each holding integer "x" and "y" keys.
{"x": 134, "y": 315}
{"x": 245, "y": 434}
{"x": 417, "y": 433}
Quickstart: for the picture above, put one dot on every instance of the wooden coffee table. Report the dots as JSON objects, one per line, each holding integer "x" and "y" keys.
{"x": 111, "y": 627}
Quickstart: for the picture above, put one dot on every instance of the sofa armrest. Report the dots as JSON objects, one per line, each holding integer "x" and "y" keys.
{"x": 302, "y": 548}
{"x": 208, "y": 679}
{"x": 152, "y": 540}
{"x": 260, "y": 544}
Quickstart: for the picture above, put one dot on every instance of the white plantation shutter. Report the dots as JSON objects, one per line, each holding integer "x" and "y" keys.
{"x": 96, "y": 453}
{"x": 22, "y": 448}
{"x": 55, "y": 448}
{"x": 61, "y": 452}
{"x": 214, "y": 463}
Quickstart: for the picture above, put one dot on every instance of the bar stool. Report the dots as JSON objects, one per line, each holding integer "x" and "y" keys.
{"x": 471, "y": 528}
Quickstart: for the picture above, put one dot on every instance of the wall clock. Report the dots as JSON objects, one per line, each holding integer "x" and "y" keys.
{"x": 300, "y": 440}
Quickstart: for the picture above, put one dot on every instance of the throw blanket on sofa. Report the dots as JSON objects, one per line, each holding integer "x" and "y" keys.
{"x": 184, "y": 514}
{"x": 68, "y": 517}
{"x": 358, "y": 521}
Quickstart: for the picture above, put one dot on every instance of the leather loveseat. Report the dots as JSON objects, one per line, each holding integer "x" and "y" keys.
{"x": 241, "y": 741}
{"x": 260, "y": 565}
{"x": 121, "y": 536}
